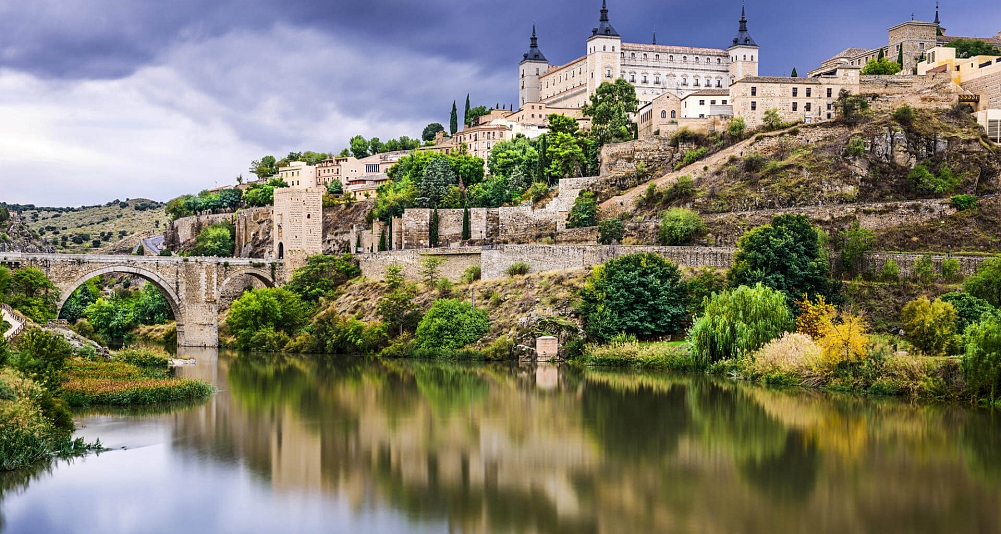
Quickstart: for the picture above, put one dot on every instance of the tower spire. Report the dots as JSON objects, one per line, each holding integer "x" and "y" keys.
{"x": 743, "y": 18}
{"x": 937, "y": 23}
{"x": 604, "y": 11}
{"x": 604, "y": 28}
{"x": 655, "y": 37}
{"x": 534, "y": 54}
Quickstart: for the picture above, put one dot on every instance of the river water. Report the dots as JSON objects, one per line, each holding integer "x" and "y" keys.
{"x": 359, "y": 446}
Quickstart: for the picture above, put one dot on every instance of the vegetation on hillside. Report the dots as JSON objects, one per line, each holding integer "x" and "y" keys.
{"x": 115, "y": 227}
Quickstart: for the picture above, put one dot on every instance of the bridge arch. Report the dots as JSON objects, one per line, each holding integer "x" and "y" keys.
{"x": 168, "y": 292}
{"x": 263, "y": 277}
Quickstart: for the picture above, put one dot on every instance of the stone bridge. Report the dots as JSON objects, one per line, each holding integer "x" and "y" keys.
{"x": 192, "y": 286}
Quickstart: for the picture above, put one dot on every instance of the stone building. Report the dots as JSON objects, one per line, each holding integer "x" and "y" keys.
{"x": 806, "y": 100}
{"x": 298, "y": 174}
{"x": 652, "y": 68}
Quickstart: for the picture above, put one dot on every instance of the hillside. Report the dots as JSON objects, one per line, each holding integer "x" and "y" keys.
{"x": 114, "y": 228}
{"x": 835, "y": 174}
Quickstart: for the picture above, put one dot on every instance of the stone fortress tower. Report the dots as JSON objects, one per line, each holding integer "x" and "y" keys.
{"x": 744, "y": 55}
{"x": 603, "y": 53}
{"x": 298, "y": 216}
{"x": 532, "y": 67}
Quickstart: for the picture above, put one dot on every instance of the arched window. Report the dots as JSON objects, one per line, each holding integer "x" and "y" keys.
{"x": 696, "y": 59}
{"x": 752, "y": 58}
{"x": 673, "y": 114}
{"x": 719, "y": 61}
{"x": 663, "y": 114}
{"x": 644, "y": 57}
{"x": 632, "y": 55}
{"x": 604, "y": 48}
{"x": 670, "y": 58}
{"x": 745, "y": 57}
{"x": 656, "y": 57}
{"x": 684, "y": 59}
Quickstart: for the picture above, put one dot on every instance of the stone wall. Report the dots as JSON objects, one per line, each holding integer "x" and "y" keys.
{"x": 253, "y": 233}
{"x": 931, "y": 91}
{"x": 656, "y": 153}
{"x": 989, "y": 89}
{"x": 875, "y": 262}
{"x": 541, "y": 258}
{"x": 373, "y": 265}
{"x": 181, "y": 233}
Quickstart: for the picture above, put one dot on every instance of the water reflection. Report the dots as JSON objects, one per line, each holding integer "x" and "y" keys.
{"x": 498, "y": 448}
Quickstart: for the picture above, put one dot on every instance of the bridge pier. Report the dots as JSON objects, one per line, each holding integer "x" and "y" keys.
{"x": 200, "y": 327}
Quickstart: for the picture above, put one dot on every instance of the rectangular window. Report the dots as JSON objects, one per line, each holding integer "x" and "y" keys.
{"x": 754, "y": 91}
{"x": 806, "y": 106}
{"x": 830, "y": 106}
{"x": 754, "y": 106}
{"x": 724, "y": 102}
{"x": 828, "y": 115}
{"x": 712, "y": 102}
{"x": 371, "y": 167}
{"x": 829, "y": 91}
{"x": 702, "y": 102}
{"x": 808, "y": 92}
{"x": 795, "y": 105}
{"x": 795, "y": 92}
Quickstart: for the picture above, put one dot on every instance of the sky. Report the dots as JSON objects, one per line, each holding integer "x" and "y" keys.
{"x": 115, "y": 99}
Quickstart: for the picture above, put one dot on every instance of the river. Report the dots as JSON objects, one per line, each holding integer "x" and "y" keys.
{"x": 400, "y": 446}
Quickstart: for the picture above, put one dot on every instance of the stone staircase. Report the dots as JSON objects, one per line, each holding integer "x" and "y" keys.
{"x": 12, "y": 318}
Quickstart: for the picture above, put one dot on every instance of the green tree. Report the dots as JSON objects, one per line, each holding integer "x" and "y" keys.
{"x": 359, "y": 147}
{"x": 33, "y": 294}
{"x": 433, "y": 229}
{"x": 431, "y": 130}
{"x": 566, "y": 156}
{"x": 772, "y": 119}
{"x": 275, "y": 310}
{"x": 431, "y": 270}
{"x": 794, "y": 73}
{"x": 679, "y": 226}
{"x": 265, "y": 167}
{"x": 739, "y": 322}
{"x": 465, "y": 223}
{"x": 640, "y": 294}
{"x": 453, "y": 121}
{"x": 986, "y": 282}
{"x": 969, "y": 309}
{"x": 967, "y": 48}
{"x": 150, "y": 307}
{"x": 855, "y": 243}
{"x": 510, "y": 156}
{"x": 900, "y": 56}
{"x": 737, "y": 127}
{"x": 465, "y": 113}
{"x": 438, "y": 175}
{"x": 335, "y": 187}
{"x": 451, "y": 324}
{"x": 609, "y": 110}
{"x": 42, "y": 356}
{"x": 982, "y": 363}
{"x": 787, "y": 255}
{"x": 881, "y": 66}
{"x": 215, "y": 240}
{"x": 850, "y": 107}
{"x": 74, "y": 307}
{"x": 930, "y": 326}
{"x": 112, "y": 317}
{"x": 584, "y": 212}
{"x": 397, "y": 308}
{"x": 382, "y": 240}
{"x": 263, "y": 194}
{"x": 322, "y": 276}
{"x": 923, "y": 181}
{"x": 610, "y": 231}
{"x": 475, "y": 113}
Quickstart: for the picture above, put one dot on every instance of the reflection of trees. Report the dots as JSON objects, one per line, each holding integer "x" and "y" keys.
{"x": 981, "y": 441}
{"x": 635, "y": 424}
{"x": 788, "y": 477}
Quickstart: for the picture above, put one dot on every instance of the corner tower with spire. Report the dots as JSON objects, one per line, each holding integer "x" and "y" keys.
{"x": 533, "y": 65}
{"x": 603, "y": 51}
{"x": 743, "y": 52}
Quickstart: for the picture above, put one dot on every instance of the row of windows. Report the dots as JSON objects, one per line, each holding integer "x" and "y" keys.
{"x": 670, "y": 58}
{"x": 734, "y": 58}
{"x": 711, "y": 102}
{"x": 795, "y": 92}
{"x": 795, "y": 106}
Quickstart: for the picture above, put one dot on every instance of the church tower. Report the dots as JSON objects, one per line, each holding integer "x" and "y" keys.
{"x": 743, "y": 52}
{"x": 533, "y": 65}
{"x": 603, "y": 52}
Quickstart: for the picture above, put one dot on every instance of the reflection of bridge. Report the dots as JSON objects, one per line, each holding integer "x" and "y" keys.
{"x": 192, "y": 286}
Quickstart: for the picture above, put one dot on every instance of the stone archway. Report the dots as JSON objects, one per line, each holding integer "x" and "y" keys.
{"x": 260, "y": 276}
{"x": 168, "y": 292}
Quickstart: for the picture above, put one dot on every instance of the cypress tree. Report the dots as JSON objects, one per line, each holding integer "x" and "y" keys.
{"x": 357, "y": 241}
{"x": 382, "y": 241}
{"x": 900, "y": 56}
{"x": 465, "y": 114}
{"x": 465, "y": 223}
{"x": 433, "y": 229}
{"x": 881, "y": 56}
{"x": 794, "y": 74}
{"x": 453, "y": 122}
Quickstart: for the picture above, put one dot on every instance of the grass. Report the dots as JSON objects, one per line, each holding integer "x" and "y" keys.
{"x": 660, "y": 356}
{"x": 133, "y": 377}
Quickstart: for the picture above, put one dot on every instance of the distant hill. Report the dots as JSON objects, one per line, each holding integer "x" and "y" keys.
{"x": 113, "y": 228}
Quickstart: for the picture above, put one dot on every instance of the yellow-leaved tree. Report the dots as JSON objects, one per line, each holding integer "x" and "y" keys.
{"x": 845, "y": 340}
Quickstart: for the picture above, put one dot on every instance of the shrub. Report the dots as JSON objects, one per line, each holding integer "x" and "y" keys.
{"x": 538, "y": 191}
{"x": 856, "y": 241}
{"x": 679, "y": 226}
{"x": 845, "y": 340}
{"x": 891, "y": 272}
{"x": 584, "y": 212}
{"x": 702, "y": 284}
{"x": 639, "y": 294}
{"x": 930, "y": 326}
{"x": 951, "y": 269}
{"x": 881, "y": 66}
{"x": 431, "y": 269}
{"x": 923, "y": 181}
{"x": 145, "y": 357}
{"x": 969, "y": 309}
{"x": 738, "y": 323}
{"x": 737, "y": 127}
{"x": 215, "y": 240}
{"x": 691, "y": 156}
{"x": 793, "y": 354}
{"x": 986, "y": 282}
{"x": 856, "y": 146}
{"x": 264, "y": 319}
{"x": 904, "y": 114}
{"x": 333, "y": 333}
{"x": 981, "y": 364}
{"x": 451, "y": 324}
{"x": 814, "y": 317}
{"x": 322, "y": 275}
{"x": 924, "y": 270}
{"x": 772, "y": 120}
{"x": 754, "y": 162}
{"x": 471, "y": 274}
{"x": 610, "y": 231}
{"x": 964, "y": 202}
{"x": 41, "y": 356}
{"x": 518, "y": 268}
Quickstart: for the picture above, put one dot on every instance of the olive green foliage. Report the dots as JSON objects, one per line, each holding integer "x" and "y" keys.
{"x": 218, "y": 240}
{"x": 890, "y": 272}
{"x": 41, "y": 356}
{"x": 322, "y": 276}
{"x": 680, "y": 226}
{"x": 431, "y": 130}
{"x": 263, "y": 194}
{"x": 30, "y": 292}
{"x": 188, "y": 205}
{"x": 856, "y": 146}
{"x": 923, "y": 271}
{"x": 433, "y": 187}
{"x": 881, "y": 66}
{"x": 981, "y": 364}
{"x": 738, "y": 322}
{"x": 442, "y": 191}
{"x": 986, "y": 282}
{"x": 951, "y": 270}
{"x": 772, "y": 120}
{"x": 333, "y": 333}
{"x": 517, "y": 159}
{"x": 430, "y": 269}
{"x": 923, "y": 181}
{"x": 788, "y": 255}
{"x": 115, "y": 316}
{"x": 335, "y": 187}
{"x": 966, "y": 48}
{"x": 737, "y": 127}
{"x": 584, "y": 212}
{"x": 969, "y": 309}
{"x": 964, "y": 202}
{"x": 851, "y": 108}
{"x": 471, "y": 274}
{"x": 609, "y": 110}
{"x": 702, "y": 284}
{"x": 904, "y": 114}
{"x": 397, "y": 308}
{"x": 264, "y": 319}
{"x": 639, "y": 294}
{"x": 451, "y": 324}
{"x": 855, "y": 243}
{"x": 930, "y": 325}
{"x": 691, "y": 156}
{"x": 518, "y": 268}
{"x": 565, "y": 148}
{"x": 610, "y": 231}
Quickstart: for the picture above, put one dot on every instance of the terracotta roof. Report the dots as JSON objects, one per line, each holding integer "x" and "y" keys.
{"x": 711, "y": 92}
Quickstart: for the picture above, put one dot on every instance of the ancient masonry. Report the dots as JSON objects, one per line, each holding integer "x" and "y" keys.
{"x": 298, "y": 225}
{"x": 192, "y": 286}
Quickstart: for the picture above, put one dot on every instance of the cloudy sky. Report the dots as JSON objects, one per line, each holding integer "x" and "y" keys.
{"x": 105, "y": 99}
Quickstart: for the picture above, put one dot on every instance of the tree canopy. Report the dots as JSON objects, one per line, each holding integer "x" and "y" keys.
{"x": 966, "y": 48}
{"x": 881, "y": 66}
{"x": 431, "y": 130}
{"x": 609, "y": 110}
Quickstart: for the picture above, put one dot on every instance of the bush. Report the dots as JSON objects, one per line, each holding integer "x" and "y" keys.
{"x": 881, "y": 66}
{"x": 814, "y": 317}
{"x": 904, "y": 114}
{"x": 969, "y": 309}
{"x": 691, "y": 156}
{"x": 923, "y": 181}
{"x": 322, "y": 276}
{"x": 754, "y": 162}
{"x": 856, "y": 146}
{"x": 538, "y": 191}
{"x": 41, "y": 356}
{"x": 736, "y": 128}
{"x": 703, "y": 284}
{"x": 845, "y": 340}
{"x": 333, "y": 333}
{"x": 518, "y": 268}
{"x": 856, "y": 241}
{"x": 639, "y": 294}
{"x": 964, "y": 202}
{"x": 584, "y": 212}
{"x": 610, "y": 231}
{"x": 891, "y": 272}
{"x": 739, "y": 322}
{"x": 265, "y": 319}
{"x": 792, "y": 355}
{"x": 981, "y": 364}
{"x": 215, "y": 240}
{"x": 145, "y": 357}
{"x": 471, "y": 274}
{"x": 930, "y": 326}
{"x": 951, "y": 269}
{"x": 679, "y": 226}
{"x": 451, "y": 324}
{"x": 986, "y": 282}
